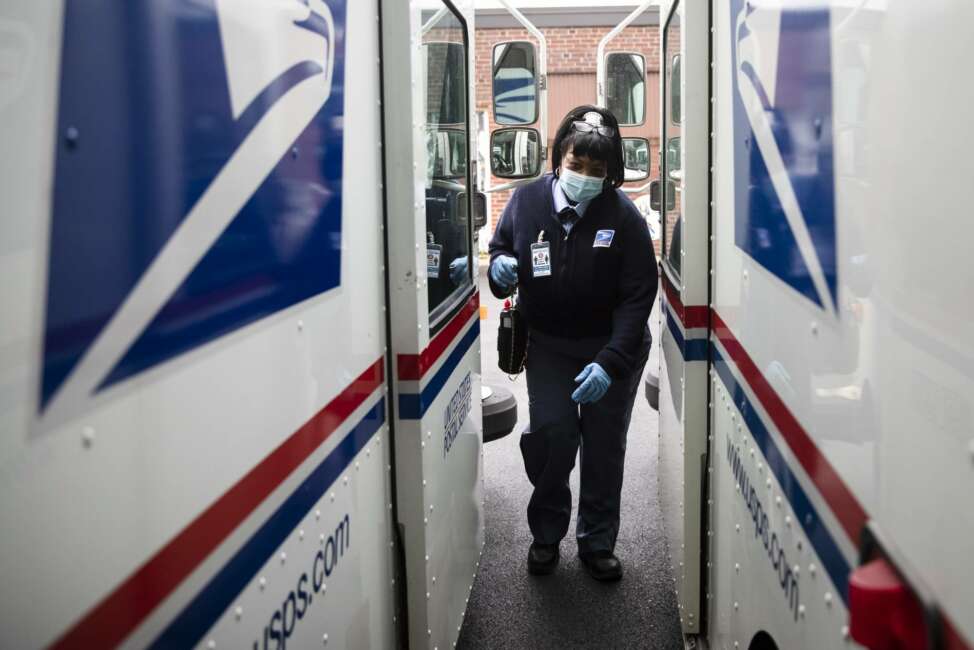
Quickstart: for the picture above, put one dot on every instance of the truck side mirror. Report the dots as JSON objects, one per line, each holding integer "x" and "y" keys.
{"x": 674, "y": 158}
{"x": 515, "y": 83}
{"x": 635, "y": 154}
{"x": 625, "y": 87}
{"x": 479, "y": 201}
{"x": 447, "y": 153}
{"x": 515, "y": 153}
{"x": 654, "y": 195}
{"x": 655, "y": 199}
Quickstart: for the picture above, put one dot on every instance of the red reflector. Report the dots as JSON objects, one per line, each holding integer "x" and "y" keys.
{"x": 883, "y": 614}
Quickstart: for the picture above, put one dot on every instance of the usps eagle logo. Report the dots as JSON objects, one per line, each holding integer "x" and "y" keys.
{"x": 204, "y": 191}
{"x": 295, "y": 35}
{"x": 784, "y": 178}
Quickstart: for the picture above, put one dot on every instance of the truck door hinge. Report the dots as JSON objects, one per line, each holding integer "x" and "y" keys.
{"x": 543, "y": 82}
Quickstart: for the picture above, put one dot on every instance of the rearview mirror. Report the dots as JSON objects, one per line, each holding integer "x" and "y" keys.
{"x": 635, "y": 153}
{"x": 625, "y": 87}
{"x": 515, "y": 153}
{"x": 515, "y": 83}
{"x": 447, "y": 153}
{"x": 654, "y": 195}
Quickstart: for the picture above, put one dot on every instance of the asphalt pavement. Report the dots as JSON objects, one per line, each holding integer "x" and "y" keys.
{"x": 566, "y": 610}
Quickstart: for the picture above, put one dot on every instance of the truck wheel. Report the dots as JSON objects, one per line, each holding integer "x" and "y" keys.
{"x": 500, "y": 412}
{"x": 762, "y": 641}
{"x": 651, "y": 385}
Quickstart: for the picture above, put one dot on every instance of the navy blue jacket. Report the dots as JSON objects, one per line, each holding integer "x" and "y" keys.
{"x": 592, "y": 291}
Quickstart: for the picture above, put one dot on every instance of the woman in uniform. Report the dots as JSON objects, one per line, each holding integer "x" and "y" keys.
{"x": 580, "y": 254}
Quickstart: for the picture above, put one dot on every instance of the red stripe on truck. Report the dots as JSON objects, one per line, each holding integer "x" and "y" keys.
{"x": 117, "y": 615}
{"x": 847, "y": 509}
{"x": 412, "y": 367}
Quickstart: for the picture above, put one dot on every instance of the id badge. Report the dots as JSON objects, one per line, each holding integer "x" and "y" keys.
{"x": 433, "y": 254}
{"x": 541, "y": 259}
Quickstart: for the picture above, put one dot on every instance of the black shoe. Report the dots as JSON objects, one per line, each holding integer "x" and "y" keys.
{"x": 542, "y": 559}
{"x": 602, "y": 565}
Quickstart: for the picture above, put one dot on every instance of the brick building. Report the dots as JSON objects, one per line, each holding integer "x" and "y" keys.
{"x": 572, "y": 37}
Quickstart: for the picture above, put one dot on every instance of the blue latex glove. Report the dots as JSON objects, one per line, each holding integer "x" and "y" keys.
{"x": 458, "y": 270}
{"x": 595, "y": 382}
{"x": 503, "y": 271}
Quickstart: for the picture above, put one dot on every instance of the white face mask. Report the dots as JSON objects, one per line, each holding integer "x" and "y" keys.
{"x": 579, "y": 187}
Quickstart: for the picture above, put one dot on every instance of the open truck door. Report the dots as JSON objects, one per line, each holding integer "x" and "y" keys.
{"x": 433, "y": 316}
{"x": 678, "y": 388}
{"x": 684, "y": 315}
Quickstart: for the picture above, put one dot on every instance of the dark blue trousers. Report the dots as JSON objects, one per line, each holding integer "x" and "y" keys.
{"x": 559, "y": 428}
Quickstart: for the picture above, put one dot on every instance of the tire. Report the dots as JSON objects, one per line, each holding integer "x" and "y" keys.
{"x": 500, "y": 414}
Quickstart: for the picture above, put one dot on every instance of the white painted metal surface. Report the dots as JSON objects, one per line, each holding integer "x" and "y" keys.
{"x": 857, "y": 345}
{"x": 782, "y": 589}
{"x": 839, "y": 381}
{"x": 438, "y": 418}
{"x": 235, "y": 491}
{"x": 119, "y": 474}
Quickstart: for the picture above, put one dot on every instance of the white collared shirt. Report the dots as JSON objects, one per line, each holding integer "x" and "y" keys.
{"x": 562, "y": 202}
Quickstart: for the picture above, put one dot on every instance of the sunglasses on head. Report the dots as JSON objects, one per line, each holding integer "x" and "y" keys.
{"x": 585, "y": 127}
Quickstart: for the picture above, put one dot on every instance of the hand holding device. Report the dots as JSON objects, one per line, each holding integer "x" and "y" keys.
{"x": 503, "y": 271}
{"x": 458, "y": 270}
